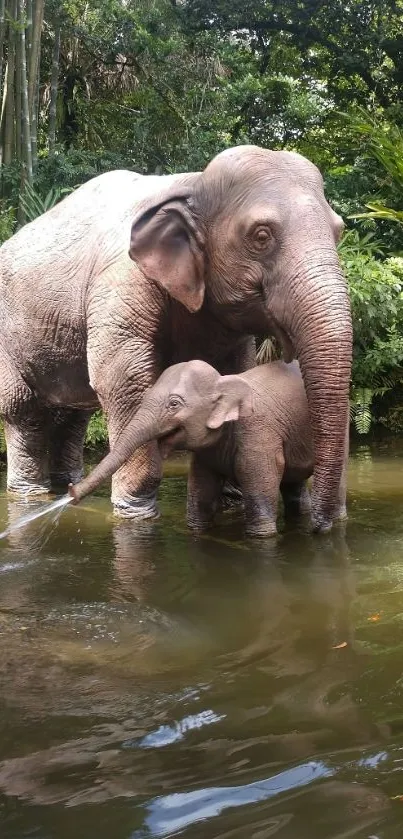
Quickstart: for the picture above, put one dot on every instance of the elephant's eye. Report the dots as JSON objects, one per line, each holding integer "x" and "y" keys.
{"x": 175, "y": 402}
{"x": 262, "y": 236}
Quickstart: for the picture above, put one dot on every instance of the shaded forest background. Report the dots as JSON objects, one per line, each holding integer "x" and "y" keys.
{"x": 160, "y": 86}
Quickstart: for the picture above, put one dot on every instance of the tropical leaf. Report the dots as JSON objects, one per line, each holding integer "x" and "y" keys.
{"x": 32, "y": 203}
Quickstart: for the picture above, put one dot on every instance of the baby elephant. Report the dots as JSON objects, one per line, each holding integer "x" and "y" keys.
{"x": 269, "y": 449}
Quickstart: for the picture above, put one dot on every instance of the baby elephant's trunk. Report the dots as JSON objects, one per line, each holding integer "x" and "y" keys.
{"x": 139, "y": 431}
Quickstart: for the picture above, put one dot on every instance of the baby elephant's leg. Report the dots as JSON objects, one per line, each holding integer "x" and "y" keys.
{"x": 259, "y": 471}
{"x": 203, "y": 494}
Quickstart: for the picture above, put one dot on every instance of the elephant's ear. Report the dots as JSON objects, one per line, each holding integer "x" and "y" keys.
{"x": 169, "y": 249}
{"x": 233, "y": 401}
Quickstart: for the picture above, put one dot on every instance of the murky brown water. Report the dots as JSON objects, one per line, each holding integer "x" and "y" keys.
{"x": 154, "y": 685}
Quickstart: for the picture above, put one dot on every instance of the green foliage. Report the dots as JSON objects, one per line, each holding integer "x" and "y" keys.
{"x": 360, "y": 408}
{"x": 97, "y": 432}
{"x": 3, "y": 447}
{"x": 383, "y": 143}
{"x": 376, "y": 292}
{"x": 33, "y": 205}
{"x": 7, "y": 221}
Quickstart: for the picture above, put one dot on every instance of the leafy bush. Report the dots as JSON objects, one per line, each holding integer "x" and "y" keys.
{"x": 97, "y": 432}
{"x": 376, "y": 292}
{"x": 33, "y": 205}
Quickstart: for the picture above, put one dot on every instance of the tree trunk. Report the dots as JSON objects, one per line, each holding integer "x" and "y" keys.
{"x": 18, "y": 93}
{"x": 38, "y": 9}
{"x": 2, "y": 35}
{"x": 28, "y": 33}
{"x": 10, "y": 92}
{"x": 3, "y": 111}
{"x": 34, "y": 125}
{"x": 53, "y": 91}
{"x": 26, "y": 157}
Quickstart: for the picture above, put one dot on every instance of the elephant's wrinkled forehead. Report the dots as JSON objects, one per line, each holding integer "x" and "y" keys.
{"x": 252, "y": 161}
{"x": 244, "y": 172}
{"x": 180, "y": 377}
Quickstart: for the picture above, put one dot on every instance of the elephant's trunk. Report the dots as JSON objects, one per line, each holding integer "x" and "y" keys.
{"x": 321, "y": 333}
{"x": 141, "y": 429}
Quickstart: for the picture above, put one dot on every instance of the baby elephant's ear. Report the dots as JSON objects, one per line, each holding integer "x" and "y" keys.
{"x": 233, "y": 400}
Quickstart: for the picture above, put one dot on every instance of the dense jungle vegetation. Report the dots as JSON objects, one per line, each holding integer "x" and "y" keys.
{"x": 163, "y": 85}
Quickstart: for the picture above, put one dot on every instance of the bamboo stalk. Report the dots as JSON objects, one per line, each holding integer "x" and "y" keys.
{"x": 26, "y": 157}
{"x": 28, "y": 32}
{"x": 18, "y": 97}
{"x": 53, "y": 91}
{"x": 3, "y": 26}
{"x": 9, "y": 131}
{"x": 3, "y": 108}
{"x": 38, "y": 10}
{"x": 34, "y": 124}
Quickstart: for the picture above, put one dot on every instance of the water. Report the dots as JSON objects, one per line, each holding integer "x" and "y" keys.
{"x": 153, "y": 684}
{"x": 45, "y": 510}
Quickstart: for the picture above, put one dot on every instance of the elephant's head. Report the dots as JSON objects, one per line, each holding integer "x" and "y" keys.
{"x": 187, "y": 406}
{"x": 255, "y": 238}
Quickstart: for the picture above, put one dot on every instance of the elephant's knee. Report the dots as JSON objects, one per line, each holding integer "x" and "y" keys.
{"x": 139, "y": 507}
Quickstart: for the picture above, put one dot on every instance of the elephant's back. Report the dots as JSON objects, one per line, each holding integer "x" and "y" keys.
{"x": 280, "y": 397}
{"x": 93, "y": 222}
{"x": 278, "y": 384}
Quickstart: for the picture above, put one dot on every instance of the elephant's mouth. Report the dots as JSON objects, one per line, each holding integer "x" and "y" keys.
{"x": 285, "y": 341}
{"x": 169, "y": 441}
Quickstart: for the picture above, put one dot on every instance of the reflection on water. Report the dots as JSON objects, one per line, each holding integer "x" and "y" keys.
{"x": 157, "y": 684}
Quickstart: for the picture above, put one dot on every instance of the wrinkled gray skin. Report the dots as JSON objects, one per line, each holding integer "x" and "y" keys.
{"x": 246, "y": 247}
{"x": 270, "y": 447}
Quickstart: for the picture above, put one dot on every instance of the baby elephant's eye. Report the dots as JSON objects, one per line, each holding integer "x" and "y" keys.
{"x": 175, "y": 402}
{"x": 262, "y": 236}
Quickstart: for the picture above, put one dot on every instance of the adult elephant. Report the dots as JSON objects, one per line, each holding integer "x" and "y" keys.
{"x": 247, "y": 246}
{"x": 254, "y": 239}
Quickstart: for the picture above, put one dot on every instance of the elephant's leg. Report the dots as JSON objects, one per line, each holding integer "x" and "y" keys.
{"x": 25, "y": 430}
{"x": 120, "y": 379}
{"x": 260, "y": 469}
{"x": 27, "y": 453}
{"x": 135, "y": 485}
{"x": 203, "y": 494}
{"x": 66, "y": 442}
{"x": 296, "y": 498}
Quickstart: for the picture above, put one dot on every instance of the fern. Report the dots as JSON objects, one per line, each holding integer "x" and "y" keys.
{"x": 33, "y": 205}
{"x": 360, "y": 409}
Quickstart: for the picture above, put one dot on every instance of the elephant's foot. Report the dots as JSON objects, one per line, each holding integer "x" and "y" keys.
{"x": 136, "y": 507}
{"x": 260, "y": 516}
{"x": 21, "y": 487}
{"x": 261, "y": 529}
{"x": 321, "y": 524}
{"x": 197, "y": 525}
{"x": 341, "y": 514}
